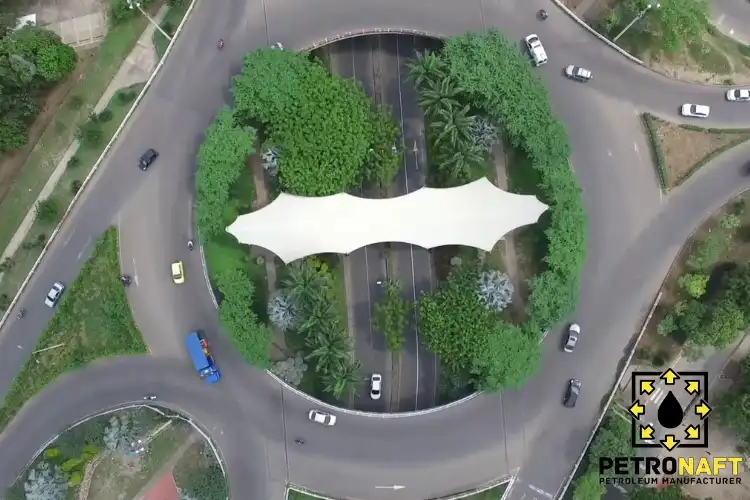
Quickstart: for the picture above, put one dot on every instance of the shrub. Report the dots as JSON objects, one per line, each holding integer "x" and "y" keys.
{"x": 90, "y": 134}
{"x": 126, "y": 96}
{"x": 693, "y": 284}
{"x": 104, "y": 116}
{"x": 661, "y": 163}
{"x": 76, "y": 102}
{"x": 75, "y": 186}
{"x": 48, "y": 210}
{"x": 73, "y": 162}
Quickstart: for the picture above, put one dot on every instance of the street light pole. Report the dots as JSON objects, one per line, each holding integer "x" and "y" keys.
{"x": 639, "y": 16}
{"x": 137, "y": 4}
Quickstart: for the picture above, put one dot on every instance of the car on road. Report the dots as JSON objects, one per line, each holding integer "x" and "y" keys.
{"x": 695, "y": 110}
{"x": 574, "y": 330}
{"x": 178, "y": 272}
{"x": 738, "y": 95}
{"x": 54, "y": 294}
{"x": 376, "y": 384}
{"x": 536, "y": 49}
{"x": 572, "y": 393}
{"x": 578, "y": 73}
{"x": 147, "y": 158}
{"x": 321, "y": 417}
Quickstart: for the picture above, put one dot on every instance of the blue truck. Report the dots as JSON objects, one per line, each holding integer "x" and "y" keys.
{"x": 203, "y": 362}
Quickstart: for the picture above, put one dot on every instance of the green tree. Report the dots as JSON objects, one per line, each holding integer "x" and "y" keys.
{"x": 247, "y": 334}
{"x": 693, "y": 284}
{"x": 675, "y": 23}
{"x": 222, "y": 156}
{"x": 48, "y": 210}
{"x": 733, "y": 407}
{"x": 708, "y": 251}
{"x": 341, "y": 383}
{"x": 332, "y": 353}
{"x": 427, "y": 68}
{"x": 44, "y": 50}
{"x": 671, "y": 492}
{"x": 390, "y": 316}
{"x": 383, "y": 163}
{"x": 724, "y": 324}
{"x": 321, "y": 124}
{"x": 588, "y": 487}
{"x": 612, "y": 440}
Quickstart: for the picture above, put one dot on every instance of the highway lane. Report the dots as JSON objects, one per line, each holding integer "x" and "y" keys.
{"x": 732, "y": 17}
{"x": 237, "y": 20}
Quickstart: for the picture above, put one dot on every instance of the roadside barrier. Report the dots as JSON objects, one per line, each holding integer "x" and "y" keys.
{"x": 98, "y": 163}
{"x": 601, "y": 37}
{"x": 372, "y": 31}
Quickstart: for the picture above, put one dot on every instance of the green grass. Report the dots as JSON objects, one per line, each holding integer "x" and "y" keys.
{"x": 495, "y": 493}
{"x": 93, "y": 320}
{"x": 117, "y": 44}
{"x": 27, "y": 254}
{"x": 171, "y": 20}
{"x": 709, "y": 58}
{"x": 198, "y": 474}
{"x": 296, "y": 495}
{"x": 339, "y": 291}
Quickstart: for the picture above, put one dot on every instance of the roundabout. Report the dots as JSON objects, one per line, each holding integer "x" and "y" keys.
{"x": 634, "y": 233}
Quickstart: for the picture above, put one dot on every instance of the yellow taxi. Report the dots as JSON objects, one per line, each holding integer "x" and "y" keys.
{"x": 178, "y": 272}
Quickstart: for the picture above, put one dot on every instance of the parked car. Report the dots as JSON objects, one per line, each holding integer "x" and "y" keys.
{"x": 578, "y": 73}
{"x": 536, "y": 49}
{"x": 376, "y": 383}
{"x": 321, "y": 417}
{"x": 54, "y": 294}
{"x": 738, "y": 95}
{"x": 147, "y": 158}
{"x": 695, "y": 110}
{"x": 178, "y": 272}
{"x": 572, "y": 393}
{"x": 574, "y": 330}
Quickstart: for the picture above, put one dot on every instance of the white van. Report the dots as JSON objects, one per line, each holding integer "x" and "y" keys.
{"x": 536, "y": 50}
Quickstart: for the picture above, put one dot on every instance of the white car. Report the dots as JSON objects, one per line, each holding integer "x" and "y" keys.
{"x": 536, "y": 49}
{"x": 578, "y": 73}
{"x": 695, "y": 110}
{"x": 574, "y": 330}
{"x": 321, "y": 417}
{"x": 738, "y": 95}
{"x": 53, "y": 296}
{"x": 376, "y": 384}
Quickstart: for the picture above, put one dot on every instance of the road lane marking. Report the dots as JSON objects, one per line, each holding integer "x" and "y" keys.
{"x": 635, "y": 146}
{"x": 721, "y": 19}
{"x": 135, "y": 272}
{"x": 609, "y": 152}
{"x": 540, "y": 491}
{"x": 83, "y": 250}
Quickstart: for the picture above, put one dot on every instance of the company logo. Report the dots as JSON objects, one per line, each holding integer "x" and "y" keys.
{"x": 669, "y": 411}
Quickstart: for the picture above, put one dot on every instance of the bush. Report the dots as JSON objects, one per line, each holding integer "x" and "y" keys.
{"x": 104, "y": 116}
{"x": 168, "y": 27}
{"x": 661, "y": 163}
{"x": 48, "y": 210}
{"x": 693, "y": 284}
{"x": 76, "y": 102}
{"x": 125, "y": 96}
{"x": 75, "y": 186}
{"x": 4, "y": 301}
{"x": 90, "y": 134}
{"x": 73, "y": 162}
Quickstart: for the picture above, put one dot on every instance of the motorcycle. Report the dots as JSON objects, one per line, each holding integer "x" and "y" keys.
{"x": 299, "y": 441}
{"x": 149, "y": 397}
{"x": 190, "y": 244}
{"x": 125, "y": 280}
{"x": 21, "y": 313}
{"x": 543, "y": 14}
{"x": 221, "y": 43}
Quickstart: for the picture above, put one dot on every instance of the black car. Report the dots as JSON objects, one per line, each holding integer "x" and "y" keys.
{"x": 147, "y": 158}
{"x": 572, "y": 393}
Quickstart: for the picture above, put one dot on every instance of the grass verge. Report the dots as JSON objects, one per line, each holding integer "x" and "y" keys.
{"x": 24, "y": 258}
{"x": 495, "y": 493}
{"x": 93, "y": 321}
{"x": 680, "y": 150}
{"x": 169, "y": 24}
{"x": 198, "y": 475}
{"x": 117, "y": 44}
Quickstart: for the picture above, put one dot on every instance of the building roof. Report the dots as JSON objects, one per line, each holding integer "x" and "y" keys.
{"x": 476, "y": 215}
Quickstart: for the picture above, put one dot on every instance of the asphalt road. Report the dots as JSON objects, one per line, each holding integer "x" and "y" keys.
{"x": 732, "y": 17}
{"x": 634, "y": 234}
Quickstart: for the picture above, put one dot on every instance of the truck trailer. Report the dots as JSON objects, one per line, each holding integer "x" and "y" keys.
{"x": 203, "y": 362}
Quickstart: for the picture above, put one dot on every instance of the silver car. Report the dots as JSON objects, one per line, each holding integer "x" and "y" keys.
{"x": 53, "y": 296}
{"x": 574, "y": 330}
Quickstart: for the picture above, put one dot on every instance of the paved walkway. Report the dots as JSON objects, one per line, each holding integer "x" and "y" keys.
{"x": 137, "y": 68}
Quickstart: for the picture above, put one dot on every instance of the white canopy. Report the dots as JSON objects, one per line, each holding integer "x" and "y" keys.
{"x": 475, "y": 215}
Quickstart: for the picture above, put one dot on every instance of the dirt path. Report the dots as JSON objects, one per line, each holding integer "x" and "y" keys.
{"x": 167, "y": 467}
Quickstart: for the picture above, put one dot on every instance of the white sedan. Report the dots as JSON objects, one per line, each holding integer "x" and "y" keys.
{"x": 53, "y": 296}
{"x": 695, "y": 110}
{"x": 738, "y": 95}
{"x": 376, "y": 383}
{"x": 321, "y": 417}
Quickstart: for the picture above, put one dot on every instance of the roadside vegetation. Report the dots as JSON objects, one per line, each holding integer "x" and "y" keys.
{"x": 317, "y": 135}
{"x": 97, "y": 459}
{"x": 733, "y": 407}
{"x": 495, "y": 493}
{"x": 680, "y": 150}
{"x": 93, "y": 320}
{"x": 198, "y": 475}
{"x": 172, "y": 19}
{"x": 479, "y": 83}
{"x": 676, "y": 38}
{"x": 706, "y": 301}
{"x": 93, "y": 135}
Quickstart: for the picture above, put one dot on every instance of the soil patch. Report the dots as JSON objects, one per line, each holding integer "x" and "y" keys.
{"x": 685, "y": 148}
{"x": 163, "y": 489}
{"x": 12, "y": 162}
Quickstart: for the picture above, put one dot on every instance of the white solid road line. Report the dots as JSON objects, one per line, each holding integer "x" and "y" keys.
{"x": 135, "y": 272}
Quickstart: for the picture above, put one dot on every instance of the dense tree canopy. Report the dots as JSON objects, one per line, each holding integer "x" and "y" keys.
{"x": 31, "y": 59}
{"x": 324, "y": 127}
{"x": 734, "y": 406}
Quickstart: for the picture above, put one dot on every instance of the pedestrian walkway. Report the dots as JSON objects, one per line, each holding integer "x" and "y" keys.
{"x": 137, "y": 68}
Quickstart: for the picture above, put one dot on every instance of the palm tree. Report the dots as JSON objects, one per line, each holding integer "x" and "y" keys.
{"x": 426, "y": 67}
{"x": 342, "y": 382}
{"x": 332, "y": 354}
{"x": 453, "y": 128}
{"x": 304, "y": 284}
{"x": 439, "y": 95}
{"x": 321, "y": 318}
{"x": 458, "y": 166}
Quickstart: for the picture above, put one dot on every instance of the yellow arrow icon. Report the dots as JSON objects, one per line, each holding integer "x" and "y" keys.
{"x": 702, "y": 409}
{"x": 637, "y": 409}
{"x": 646, "y": 432}
{"x": 693, "y": 432}
{"x": 647, "y": 387}
{"x": 669, "y": 376}
{"x": 669, "y": 442}
{"x": 692, "y": 386}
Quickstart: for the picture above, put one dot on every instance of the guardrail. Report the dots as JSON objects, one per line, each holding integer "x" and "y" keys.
{"x": 601, "y": 37}
{"x": 612, "y": 394}
{"x": 372, "y": 31}
{"x": 98, "y": 163}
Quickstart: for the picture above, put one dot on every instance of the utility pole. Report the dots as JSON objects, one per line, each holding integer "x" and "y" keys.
{"x": 639, "y": 16}
{"x": 137, "y": 4}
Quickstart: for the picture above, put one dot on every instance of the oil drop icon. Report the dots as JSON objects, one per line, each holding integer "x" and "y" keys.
{"x": 670, "y": 412}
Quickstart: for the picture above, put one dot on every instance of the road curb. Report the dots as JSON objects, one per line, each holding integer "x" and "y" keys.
{"x": 98, "y": 163}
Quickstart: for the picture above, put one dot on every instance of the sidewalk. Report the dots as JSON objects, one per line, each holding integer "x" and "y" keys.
{"x": 137, "y": 68}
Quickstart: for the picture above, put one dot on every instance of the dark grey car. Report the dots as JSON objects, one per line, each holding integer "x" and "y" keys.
{"x": 572, "y": 393}
{"x": 147, "y": 159}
